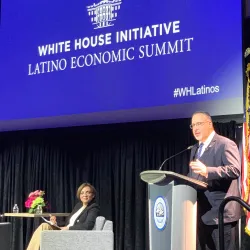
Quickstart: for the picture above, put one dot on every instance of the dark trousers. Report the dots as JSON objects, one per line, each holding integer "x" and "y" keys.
{"x": 208, "y": 236}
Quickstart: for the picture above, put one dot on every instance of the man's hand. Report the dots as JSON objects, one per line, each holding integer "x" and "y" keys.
{"x": 64, "y": 228}
{"x": 199, "y": 168}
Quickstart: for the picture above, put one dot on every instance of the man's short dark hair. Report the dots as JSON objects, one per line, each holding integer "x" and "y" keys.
{"x": 204, "y": 113}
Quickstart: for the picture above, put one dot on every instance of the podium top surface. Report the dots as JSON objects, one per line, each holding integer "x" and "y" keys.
{"x": 157, "y": 176}
{"x": 35, "y": 215}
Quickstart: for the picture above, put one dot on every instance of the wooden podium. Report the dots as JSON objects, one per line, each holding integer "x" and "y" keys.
{"x": 172, "y": 209}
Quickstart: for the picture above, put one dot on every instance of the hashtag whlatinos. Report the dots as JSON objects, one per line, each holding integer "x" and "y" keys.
{"x": 192, "y": 91}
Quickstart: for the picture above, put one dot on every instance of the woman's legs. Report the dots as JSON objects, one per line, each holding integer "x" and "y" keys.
{"x": 34, "y": 243}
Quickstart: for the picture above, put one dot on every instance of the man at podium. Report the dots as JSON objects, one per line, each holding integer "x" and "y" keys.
{"x": 216, "y": 160}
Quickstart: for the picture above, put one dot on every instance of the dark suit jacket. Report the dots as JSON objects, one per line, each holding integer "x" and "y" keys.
{"x": 86, "y": 219}
{"x": 222, "y": 159}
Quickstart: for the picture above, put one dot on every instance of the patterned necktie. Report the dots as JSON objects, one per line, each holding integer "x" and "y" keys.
{"x": 199, "y": 151}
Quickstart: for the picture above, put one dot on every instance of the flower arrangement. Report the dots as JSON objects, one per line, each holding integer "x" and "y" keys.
{"x": 34, "y": 200}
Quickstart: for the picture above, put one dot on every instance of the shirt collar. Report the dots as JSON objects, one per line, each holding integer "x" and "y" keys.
{"x": 208, "y": 140}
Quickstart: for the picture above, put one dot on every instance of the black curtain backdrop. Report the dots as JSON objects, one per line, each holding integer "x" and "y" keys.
{"x": 110, "y": 157}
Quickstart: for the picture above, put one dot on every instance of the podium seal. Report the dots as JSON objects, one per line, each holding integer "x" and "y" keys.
{"x": 161, "y": 212}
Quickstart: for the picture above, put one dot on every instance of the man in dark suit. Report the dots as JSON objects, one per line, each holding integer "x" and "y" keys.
{"x": 215, "y": 160}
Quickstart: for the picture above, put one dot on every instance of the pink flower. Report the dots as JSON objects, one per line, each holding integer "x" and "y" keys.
{"x": 37, "y": 193}
{"x": 28, "y": 203}
{"x": 31, "y": 194}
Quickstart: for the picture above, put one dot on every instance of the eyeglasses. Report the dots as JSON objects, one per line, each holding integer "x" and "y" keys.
{"x": 197, "y": 124}
{"x": 87, "y": 193}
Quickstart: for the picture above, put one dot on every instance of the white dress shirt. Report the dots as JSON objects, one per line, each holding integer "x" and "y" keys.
{"x": 74, "y": 216}
{"x": 206, "y": 142}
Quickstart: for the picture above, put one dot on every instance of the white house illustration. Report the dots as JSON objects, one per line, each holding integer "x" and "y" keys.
{"x": 104, "y": 13}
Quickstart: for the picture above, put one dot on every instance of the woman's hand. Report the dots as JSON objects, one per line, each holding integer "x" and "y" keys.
{"x": 64, "y": 228}
{"x": 53, "y": 219}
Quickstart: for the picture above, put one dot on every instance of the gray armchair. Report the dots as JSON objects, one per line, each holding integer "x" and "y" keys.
{"x": 100, "y": 238}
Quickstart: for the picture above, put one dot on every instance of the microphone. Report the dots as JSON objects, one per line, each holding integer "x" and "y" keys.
{"x": 188, "y": 148}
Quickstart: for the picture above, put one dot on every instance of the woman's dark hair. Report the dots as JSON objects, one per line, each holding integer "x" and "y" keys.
{"x": 85, "y": 185}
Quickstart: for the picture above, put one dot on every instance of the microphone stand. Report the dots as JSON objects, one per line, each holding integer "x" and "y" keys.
{"x": 174, "y": 156}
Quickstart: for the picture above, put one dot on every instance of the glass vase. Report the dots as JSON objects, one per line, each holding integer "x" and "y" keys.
{"x": 39, "y": 209}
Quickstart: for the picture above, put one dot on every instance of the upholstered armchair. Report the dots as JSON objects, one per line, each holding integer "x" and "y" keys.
{"x": 100, "y": 238}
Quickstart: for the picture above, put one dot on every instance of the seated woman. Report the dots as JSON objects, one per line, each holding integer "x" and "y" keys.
{"x": 82, "y": 217}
